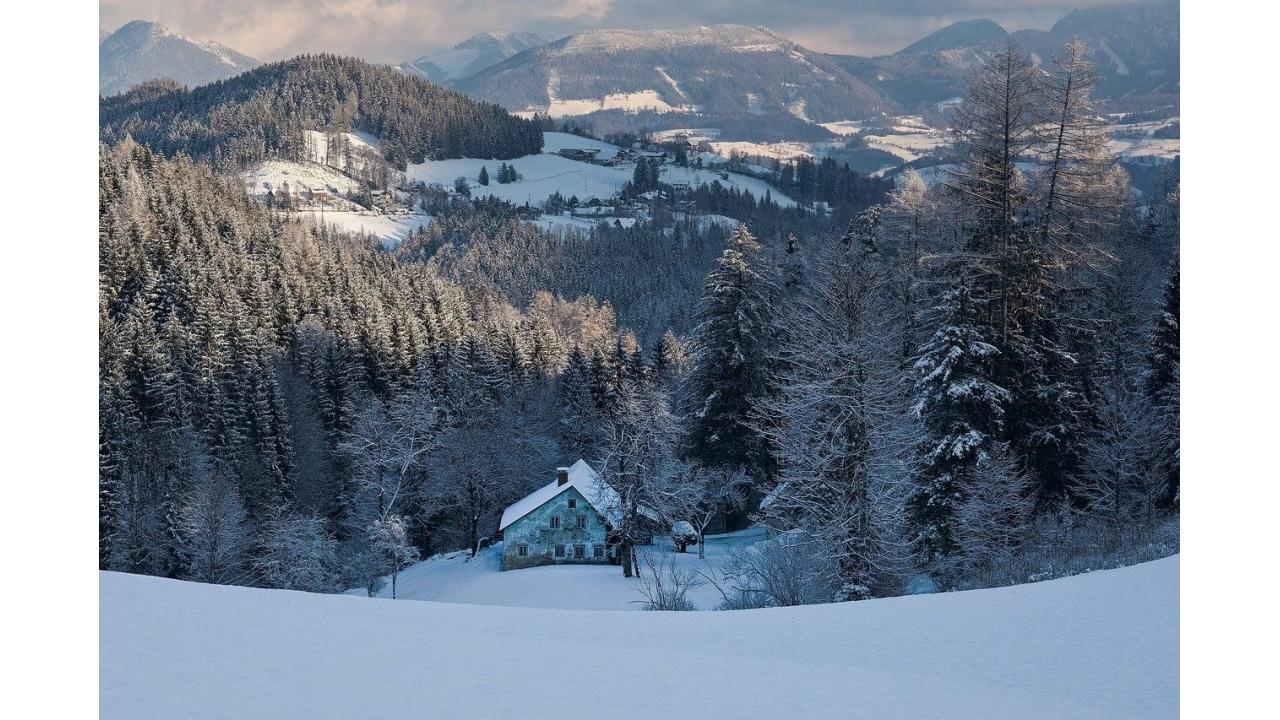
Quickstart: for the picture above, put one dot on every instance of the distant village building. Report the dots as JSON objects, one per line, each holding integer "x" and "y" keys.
{"x": 384, "y": 200}
{"x": 579, "y": 154}
{"x": 566, "y": 521}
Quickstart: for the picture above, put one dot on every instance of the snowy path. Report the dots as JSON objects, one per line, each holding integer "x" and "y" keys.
{"x": 1101, "y": 645}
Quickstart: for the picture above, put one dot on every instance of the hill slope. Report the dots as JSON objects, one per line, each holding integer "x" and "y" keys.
{"x": 709, "y": 73}
{"x": 267, "y": 111}
{"x": 473, "y": 55}
{"x": 1103, "y": 644}
{"x": 1135, "y": 48}
{"x": 141, "y": 51}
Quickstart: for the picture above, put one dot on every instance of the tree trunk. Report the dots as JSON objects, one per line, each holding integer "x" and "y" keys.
{"x": 475, "y": 539}
{"x": 626, "y": 552}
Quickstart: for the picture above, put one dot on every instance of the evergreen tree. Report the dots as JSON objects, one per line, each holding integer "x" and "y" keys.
{"x": 1163, "y": 383}
{"x": 962, "y": 412}
{"x": 729, "y": 370}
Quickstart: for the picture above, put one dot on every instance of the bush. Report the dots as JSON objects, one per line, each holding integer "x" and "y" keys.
{"x": 683, "y": 535}
{"x": 1065, "y": 544}
{"x": 784, "y": 571}
{"x": 664, "y": 585}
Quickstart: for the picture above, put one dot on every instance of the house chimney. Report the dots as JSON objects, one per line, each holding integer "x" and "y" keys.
{"x": 562, "y": 476}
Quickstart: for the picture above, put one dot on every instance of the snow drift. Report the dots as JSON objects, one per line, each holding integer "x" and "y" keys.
{"x": 1103, "y": 644}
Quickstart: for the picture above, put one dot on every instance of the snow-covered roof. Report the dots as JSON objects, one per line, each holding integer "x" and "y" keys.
{"x": 581, "y": 476}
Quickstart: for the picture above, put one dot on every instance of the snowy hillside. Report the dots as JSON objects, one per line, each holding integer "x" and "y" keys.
{"x": 720, "y": 71}
{"x": 545, "y": 174}
{"x": 473, "y": 55}
{"x": 1101, "y": 645}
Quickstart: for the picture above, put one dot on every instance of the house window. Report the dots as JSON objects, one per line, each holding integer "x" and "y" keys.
{"x": 582, "y": 523}
{"x": 555, "y": 522}
{"x": 522, "y": 550}
{"x": 598, "y": 552}
{"x": 559, "y": 551}
{"x": 573, "y": 503}
{"x": 579, "y": 552}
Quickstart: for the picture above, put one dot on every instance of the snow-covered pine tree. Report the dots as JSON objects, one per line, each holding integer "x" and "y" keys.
{"x": 1012, "y": 275}
{"x": 729, "y": 372}
{"x": 1163, "y": 385}
{"x": 839, "y": 421}
{"x": 962, "y": 410}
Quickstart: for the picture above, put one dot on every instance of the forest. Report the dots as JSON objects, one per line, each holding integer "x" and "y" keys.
{"x": 975, "y": 380}
{"x": 263, "y": 113}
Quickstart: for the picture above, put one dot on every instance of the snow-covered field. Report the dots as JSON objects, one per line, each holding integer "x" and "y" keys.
{"x": 1100, "y": 645}
{"x": 389, "y": 228}
{"x": 1135, "y": 141}
{"x": 546, "y": 173}
{"x": 271, "y": 175}
{"x": 456, "y": 577}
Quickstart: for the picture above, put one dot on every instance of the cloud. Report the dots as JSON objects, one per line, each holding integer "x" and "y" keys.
{"x": 398, "y": 30}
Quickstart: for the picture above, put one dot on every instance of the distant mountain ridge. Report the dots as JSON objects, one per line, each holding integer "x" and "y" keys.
{"x": 474, "y": 55}
{"x": 140, "y": 51}
{"x": 717, "y": 74}
{"x": 1134, "y": 46}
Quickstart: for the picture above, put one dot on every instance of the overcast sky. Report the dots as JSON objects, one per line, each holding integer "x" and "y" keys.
{"x": 398, "y": 30}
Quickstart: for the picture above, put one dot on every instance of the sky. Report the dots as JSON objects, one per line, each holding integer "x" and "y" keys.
{"x": 400, "y": 30}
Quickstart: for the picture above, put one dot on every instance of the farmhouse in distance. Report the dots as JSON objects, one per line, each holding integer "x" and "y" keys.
{"x": 564, "y": 522}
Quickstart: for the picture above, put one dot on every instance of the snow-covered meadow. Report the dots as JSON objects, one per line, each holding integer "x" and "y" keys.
{"x": 547, "y": 173}
{"x": 457, "y": 577}
{"x": 1100, "y": 645}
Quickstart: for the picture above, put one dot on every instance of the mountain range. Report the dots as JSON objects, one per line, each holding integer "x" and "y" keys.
{"x": 1134, "y": 48}
{"x": 748, "y": 82}
{"x": 721, "y": 75}
{"x": 473, "y": 55}
{"x": 140, "y": 51}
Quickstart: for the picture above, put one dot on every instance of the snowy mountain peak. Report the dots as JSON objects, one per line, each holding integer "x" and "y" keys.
{"x": 732, "y": 37}
{"x": 142, "y": 50}
{"x": 722, "y": 74}
{"x": 473, "y": 55}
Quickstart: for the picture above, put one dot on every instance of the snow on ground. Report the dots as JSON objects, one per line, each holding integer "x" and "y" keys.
{"x": 556, "y": 141}
{"x": 909, "y": 144}
{"x": 457, "y": 577}
{"x": 1104, "y": 644}
{"x": 695, "y": 177}
{"x": 317, "y": 143}
{"x": 389, "y": 228}
{"x": 271, "y": 175}
{"x": 844, "y": 127}
{"x": 1135, "y": 140}
{"x": 784, "y": 150}
{"x": 546, "y": 173}
{"x": 631, "y": 102}
{"x": 693, "y": 135}
{"x": 564, "y": 222}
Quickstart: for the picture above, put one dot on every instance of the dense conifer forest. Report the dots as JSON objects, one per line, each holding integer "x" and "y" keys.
{"x": 262, "y": 113}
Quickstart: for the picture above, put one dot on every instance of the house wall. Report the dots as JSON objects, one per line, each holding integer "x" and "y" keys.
{"x": 535, "y": 531}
